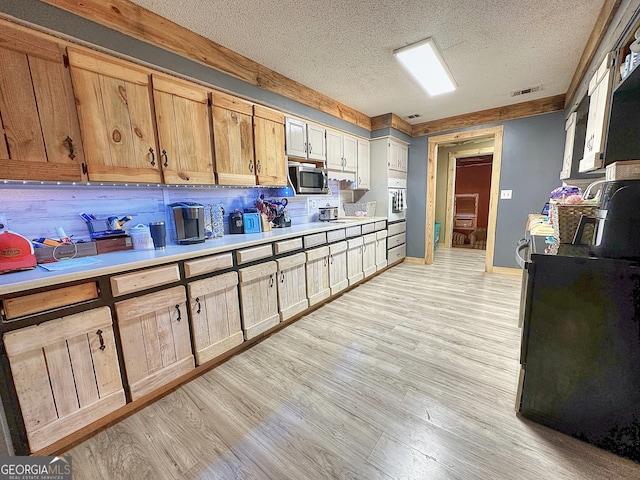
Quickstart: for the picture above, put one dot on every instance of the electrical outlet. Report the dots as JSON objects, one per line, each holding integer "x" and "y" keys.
{"x": 312, "y": 204}
{"x": 505, "y": 194}
{"x": 3, "y": 222}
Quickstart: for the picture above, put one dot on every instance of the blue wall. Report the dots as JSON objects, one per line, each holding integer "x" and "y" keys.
{"x": 532, "y": 153}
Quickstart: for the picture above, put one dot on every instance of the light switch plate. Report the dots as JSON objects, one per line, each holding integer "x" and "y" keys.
{"x": 312, "y": 205}
{"x": 505, "y": 194}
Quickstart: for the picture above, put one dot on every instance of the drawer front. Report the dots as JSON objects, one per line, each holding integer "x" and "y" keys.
{"x": 368, "y": 228}
{"x": 380, "y": 225}
{"x": 315, "y": 239}
{"x": 354, "y": 231}
{"x": 254, "y": 253}
{"x": 396, "y": 228}
{"x": 370, "y": 238}
{"x": 355, "y": 242}
{"x": 336, "y": 235}
{"x": 381, "y": 234}
{"x": 214, "y": 263}
{"x": 396, "y": 254}
{"x": 396, "y": 240}
{"x": 153, "y": 277}
{"x": 285, "y": 246}
{"x": 463, "y": 223}
{"x": 43, "y": 301}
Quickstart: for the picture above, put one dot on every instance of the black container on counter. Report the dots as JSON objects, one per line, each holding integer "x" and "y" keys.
{"x": 236, "y": 224}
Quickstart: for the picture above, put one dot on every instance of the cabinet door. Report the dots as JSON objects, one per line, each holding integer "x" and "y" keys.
{"x": 155, "y": 339}
{"x": 184, "y": 131}
{"x": 403, "y": 159}
{"x": 233, "y": 140}
{"x": 354, "y": 261}
{"x": 350, "y": 153}
{"x": 66, "y": 374}
{"x": 215, "y": 315}
{"x": 116, "y": 120}
{"x": 318, "y": 275}
{"x": 268, "y": 133}
{"x": 338, "y": 267}
{"x": 335, "y": 156}
{"x": 570, "y": 129}
{"x": 296, "y": 135}
{"x": 369, "y": 255}
{"x": 259, "y": 297}
{"x": 40, "y": 138}
{"x": 363, "y": 181}
{"x": 381, "y": 249}
{"x": 599, "y": 92}
{"x": 292, "y": 293}
{"x": 393, "y": 161}
{"x": 316, "y": 142}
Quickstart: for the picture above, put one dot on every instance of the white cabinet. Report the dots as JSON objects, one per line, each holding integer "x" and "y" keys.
{"x": 398, "y": 159}
{"x": 259, "y": 298}
{"x": 354, "y": 260}
{"x": 381, "y": 249}
{"x": 292, "y": 292}
{"x": 363, "y": 177}
{"x": 599, "y": 102}
{"x": 338, "y": 279}
{"x": 369, "y": 254}
{"x": 318, "y": 275}
{"x": 305, "y": 140}
{"x": 342, "y": 152}
{"x": 570, "y": 129}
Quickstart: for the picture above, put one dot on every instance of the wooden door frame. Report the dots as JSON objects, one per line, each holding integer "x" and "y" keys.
{"x": 497, "y": 134}
{"x": 451, "y": 190}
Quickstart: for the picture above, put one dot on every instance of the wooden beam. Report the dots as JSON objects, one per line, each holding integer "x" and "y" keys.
{"x": 603, "y": 22}
{"x": 135, "y": 21}
{"x": 492, "y": 115}
{"x": 391, "y": 120}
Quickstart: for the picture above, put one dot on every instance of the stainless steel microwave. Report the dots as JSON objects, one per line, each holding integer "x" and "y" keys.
{"x": 308, "y": 179}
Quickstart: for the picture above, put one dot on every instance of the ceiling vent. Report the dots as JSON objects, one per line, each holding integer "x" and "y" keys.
{"x": 415, "y": 115}
{"x": 526, "y": 91}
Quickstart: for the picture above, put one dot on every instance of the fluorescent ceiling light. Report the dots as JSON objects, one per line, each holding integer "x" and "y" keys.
{"x": 423, "y": 61}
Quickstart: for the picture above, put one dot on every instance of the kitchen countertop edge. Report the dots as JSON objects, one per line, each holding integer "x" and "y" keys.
{"x": 119, "y": 262}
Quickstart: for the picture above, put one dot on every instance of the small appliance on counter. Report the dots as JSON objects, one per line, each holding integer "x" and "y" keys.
{"x": 236, "y": 224}
{"x": 189, "y": 222}
{"x": 328, "y": 213}
{"x": 16, "y": 252}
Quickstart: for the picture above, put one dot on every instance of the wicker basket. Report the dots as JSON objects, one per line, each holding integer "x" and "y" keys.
{"x": 367, "y": 209}
{"x": 565, "y": 220}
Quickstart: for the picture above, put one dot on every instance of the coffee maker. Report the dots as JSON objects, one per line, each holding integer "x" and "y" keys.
{"x": 189, "y": 222}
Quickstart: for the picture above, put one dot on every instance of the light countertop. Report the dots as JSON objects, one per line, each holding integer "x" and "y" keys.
{"x": 117, "y": 262}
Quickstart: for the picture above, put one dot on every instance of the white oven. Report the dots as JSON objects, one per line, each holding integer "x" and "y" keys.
{"x": 397, "y": 205}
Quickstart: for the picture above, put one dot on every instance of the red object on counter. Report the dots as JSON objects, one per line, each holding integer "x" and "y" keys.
{"x": 16, "y": 253}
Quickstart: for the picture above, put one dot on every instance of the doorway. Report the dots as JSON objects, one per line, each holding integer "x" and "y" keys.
{"x": 495, "y": 133}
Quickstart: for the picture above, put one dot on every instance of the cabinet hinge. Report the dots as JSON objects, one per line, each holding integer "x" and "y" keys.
{"x": 84, "y": 168}
{"x": 65, "y": 60}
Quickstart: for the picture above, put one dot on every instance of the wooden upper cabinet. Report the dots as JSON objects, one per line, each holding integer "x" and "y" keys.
{"x": 233, "y": 140}
{"x": 116, "y": 117}
{"x": 41, "y": 137}
{"x": 184, "y": 131}
{"x": 268, "y": 132}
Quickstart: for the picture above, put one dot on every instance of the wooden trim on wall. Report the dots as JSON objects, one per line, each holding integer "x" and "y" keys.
{"x": 608, "y": 11}
{"x": 391, "y": 120}
{"x": 135, "y": 21}
{"x": 492, "y": 115}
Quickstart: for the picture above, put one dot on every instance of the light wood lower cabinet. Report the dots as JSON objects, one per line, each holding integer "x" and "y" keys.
{"x": 156, "y": 346}
{"x": 66, "y": 374}
{"x": 318, "y": 275}
{"x": 292, "y": 292}
{"x": 369, "y": 254}
{"x": 354, "y": 260}
{"x": 215, "y": 314}
{"x": 338, "y": 280}
{"x": 259, "y": 298}
{"x": 381, "y": 249}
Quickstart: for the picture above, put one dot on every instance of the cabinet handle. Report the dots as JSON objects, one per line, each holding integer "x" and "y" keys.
{"x": 102, "y": 345}
{"x": 68, "y": 143}
{"x": 166, "y": 158}
{"x": 305, "y": 147}
{"x": 359, "y": 180}
{"x": 179, "y": 313}
{"x": 331, "y": 259}
{"x": 153, "y": 157}
{"x": 198, "y": 304}
{"x": 325, "y": 261}
{"x": 310, "y": 148}
{"x": 259, "y": 166}
{"x": 271, "y": 281}
{"x": 250, "y": 166}
{"x": 281, "y": 277}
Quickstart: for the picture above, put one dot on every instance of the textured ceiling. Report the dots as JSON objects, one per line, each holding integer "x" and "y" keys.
{"x": 343, "y": 48}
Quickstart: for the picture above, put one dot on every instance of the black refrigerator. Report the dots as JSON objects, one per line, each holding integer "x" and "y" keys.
{"x": 580, "y": 351}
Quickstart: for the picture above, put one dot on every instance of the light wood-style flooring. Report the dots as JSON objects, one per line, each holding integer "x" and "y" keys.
{"x": 411, "y": 375}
